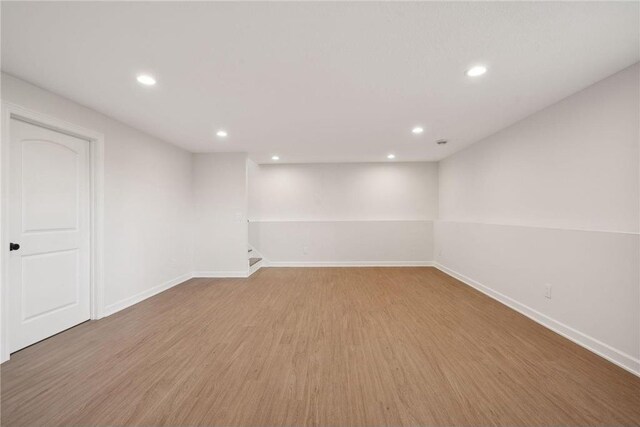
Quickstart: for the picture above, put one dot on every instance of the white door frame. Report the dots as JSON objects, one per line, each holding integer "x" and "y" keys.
{"x": 96, "y": 166}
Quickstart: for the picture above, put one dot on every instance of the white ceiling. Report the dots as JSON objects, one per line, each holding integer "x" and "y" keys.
{"x": 318, "y": 82}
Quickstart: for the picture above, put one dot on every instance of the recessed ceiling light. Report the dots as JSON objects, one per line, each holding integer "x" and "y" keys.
{"x": 275, "y": 157}
{"x": 222, "y": 133}
{"x": 417, "y": 130}
{"x": 476, "y": 71}
{"x": 146, "y": 79}
{"x": 391, "y": 156}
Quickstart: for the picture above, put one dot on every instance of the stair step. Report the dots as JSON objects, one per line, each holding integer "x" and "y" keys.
{"x": 254, "y": 261}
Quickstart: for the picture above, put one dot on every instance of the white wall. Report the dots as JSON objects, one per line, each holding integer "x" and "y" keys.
{"x": 148, "y": 199}
{"x": 347, "y": 213}
{"x": 291, "y": 243}
{"x": 220, "y": 206}
{"x": 554, "y": 199}
{"x": 343, "y": 191}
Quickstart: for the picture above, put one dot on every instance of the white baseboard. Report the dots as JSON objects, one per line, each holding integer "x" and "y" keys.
{"x": 127, "y": 302}
{"x": 350, "y": 264}
{"x": 220, "y": 274}
{"x": 613, "y": 355}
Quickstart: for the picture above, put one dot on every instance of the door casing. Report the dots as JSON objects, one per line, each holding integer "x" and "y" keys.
{"x": 96, "y": 176}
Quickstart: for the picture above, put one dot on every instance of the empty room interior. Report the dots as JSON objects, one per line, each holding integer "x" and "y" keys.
{"x": 320, "y": 213}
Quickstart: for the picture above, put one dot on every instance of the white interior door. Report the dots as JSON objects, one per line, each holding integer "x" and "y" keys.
{"x": 49, "y": 218}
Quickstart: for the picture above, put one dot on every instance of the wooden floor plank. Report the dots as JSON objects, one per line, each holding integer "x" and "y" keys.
{"x": 316, "y": 346}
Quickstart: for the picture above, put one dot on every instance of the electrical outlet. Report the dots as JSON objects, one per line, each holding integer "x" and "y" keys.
{"x": 305, "y": 250}
{"x": 547, "y": 291}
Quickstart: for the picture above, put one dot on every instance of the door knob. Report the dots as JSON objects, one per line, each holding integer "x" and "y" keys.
{"x": 14, "y": 246}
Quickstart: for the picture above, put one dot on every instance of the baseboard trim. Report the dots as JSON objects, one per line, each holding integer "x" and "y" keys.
{"x": 623, "y": 360}
{"x": 349, "y": 264}
{"x": 221, "y": 274}
{"x": 128, "y": 302}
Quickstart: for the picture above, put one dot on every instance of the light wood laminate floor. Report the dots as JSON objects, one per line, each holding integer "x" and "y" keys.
{"x": 316, "y": 346}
